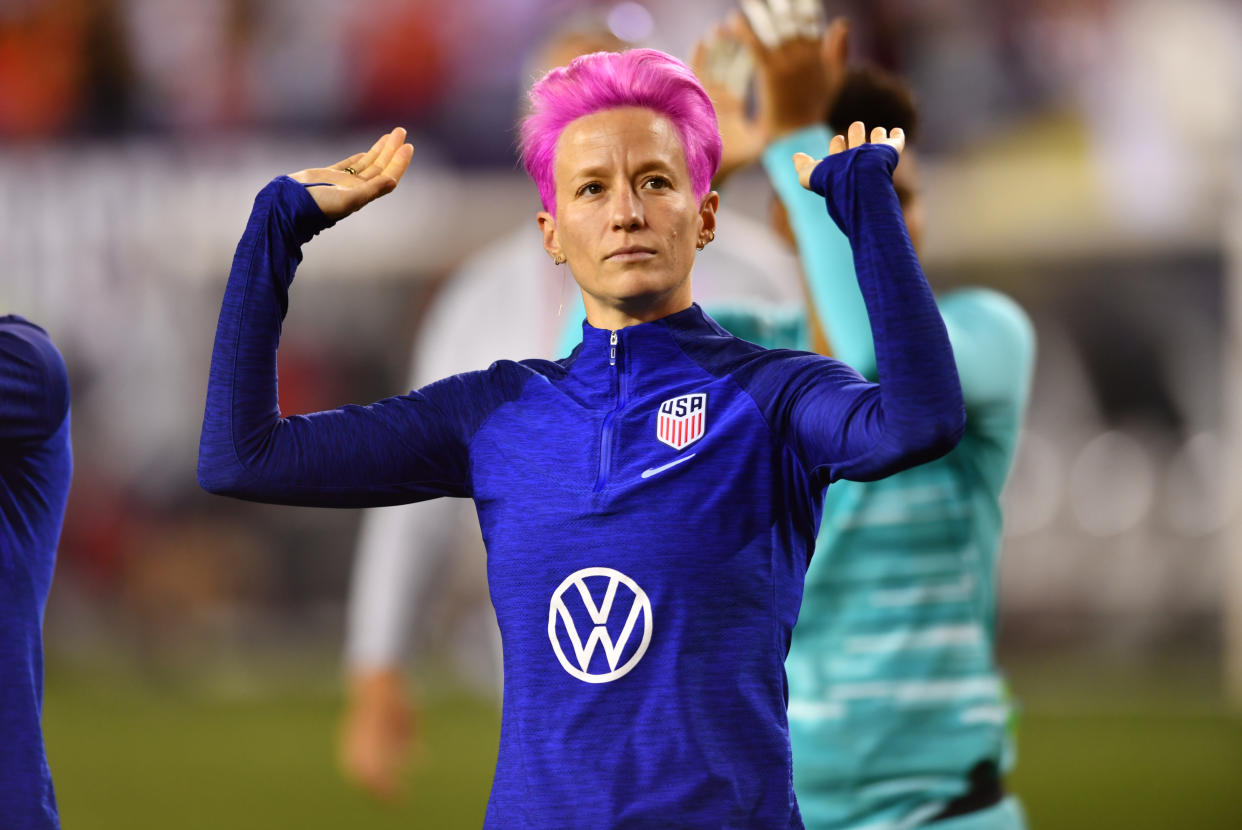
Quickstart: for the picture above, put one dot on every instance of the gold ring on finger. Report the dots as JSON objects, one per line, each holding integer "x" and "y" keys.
{"x": 351, "y": 171}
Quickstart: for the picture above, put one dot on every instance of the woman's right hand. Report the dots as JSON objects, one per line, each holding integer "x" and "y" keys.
{"x": 339, "y": 192}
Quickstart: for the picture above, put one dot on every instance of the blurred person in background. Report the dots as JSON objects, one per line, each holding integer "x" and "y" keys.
{"x": 36, "y": 464}
{"x": 747, "y": 279}
{"x": 622, "y": 148}
{"x": 898, "y": 714}
{"x": 43, "y": 67}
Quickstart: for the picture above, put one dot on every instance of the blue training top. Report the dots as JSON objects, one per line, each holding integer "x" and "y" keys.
{"x": 649, "y": 506}
{"x": 36, "y": 463}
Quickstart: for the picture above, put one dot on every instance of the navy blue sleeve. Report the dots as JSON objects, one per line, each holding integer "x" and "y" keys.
{"x": 402, "y": 449}
{"x": 34, "y": 386}
{"x": 838, "y": 423}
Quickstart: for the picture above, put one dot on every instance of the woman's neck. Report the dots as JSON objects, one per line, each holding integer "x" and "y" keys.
{"x": 612, "y": 314}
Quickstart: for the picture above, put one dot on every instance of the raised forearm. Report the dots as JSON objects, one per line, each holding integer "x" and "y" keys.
{"x": 920, "y": 395}
{"x": 398, "y": 450}
{"x": 242, "y": 411}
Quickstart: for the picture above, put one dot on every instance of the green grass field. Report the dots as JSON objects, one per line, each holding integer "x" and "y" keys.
{"x": 1108, "y": 749}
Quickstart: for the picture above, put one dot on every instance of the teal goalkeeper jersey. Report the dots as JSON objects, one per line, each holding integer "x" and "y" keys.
{"x": 894, "y": 694}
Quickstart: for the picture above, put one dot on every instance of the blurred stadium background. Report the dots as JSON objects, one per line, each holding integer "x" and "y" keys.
{"x": 1083, "y": 155}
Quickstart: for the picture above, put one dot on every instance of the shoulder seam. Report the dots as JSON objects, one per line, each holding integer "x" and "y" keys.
{"x": 43, "y": 353}
{"x": 763, "y": 415}
{"x": 475, "y": 433}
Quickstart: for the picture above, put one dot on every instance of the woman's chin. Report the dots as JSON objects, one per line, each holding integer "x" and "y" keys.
{"x": 638, "y": 282}
{"x": 642, "y": 294}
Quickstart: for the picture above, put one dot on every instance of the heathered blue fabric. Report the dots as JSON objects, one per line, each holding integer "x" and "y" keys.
{"x": 36, "y": 463}
{"x": 705, "y": 547}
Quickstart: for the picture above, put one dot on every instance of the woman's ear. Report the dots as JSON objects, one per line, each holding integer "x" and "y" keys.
{"x": 547, "y": 226}
{"x": 707, "y": 218}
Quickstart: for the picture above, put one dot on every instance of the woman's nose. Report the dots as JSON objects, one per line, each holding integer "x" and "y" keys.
{"x": 627, "y": 210}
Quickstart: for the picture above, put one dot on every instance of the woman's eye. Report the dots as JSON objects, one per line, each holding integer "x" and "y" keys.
{"x": 590, "y": 189}
{"x": 656, "y": 182}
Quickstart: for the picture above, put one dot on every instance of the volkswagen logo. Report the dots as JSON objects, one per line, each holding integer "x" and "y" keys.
{"x": 623, "y": 606}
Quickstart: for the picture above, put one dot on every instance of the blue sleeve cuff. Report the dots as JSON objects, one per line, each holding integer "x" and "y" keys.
{"x": 869, "y": 162}
{"x": 292, "y": 200}
{"x": 868, "y": 157}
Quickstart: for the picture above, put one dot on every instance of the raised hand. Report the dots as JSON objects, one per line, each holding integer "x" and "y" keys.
{"x": 724, "y": 66}
{"x": 800, "y": 63}
{"x": 856, "y": 137}
{"x": 351, "y": 183}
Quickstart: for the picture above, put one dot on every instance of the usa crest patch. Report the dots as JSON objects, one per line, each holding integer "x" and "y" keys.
{"x": 682, "y": 420}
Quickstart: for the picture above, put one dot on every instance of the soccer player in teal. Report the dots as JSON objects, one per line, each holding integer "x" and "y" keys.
{"x": 898, "y": 714}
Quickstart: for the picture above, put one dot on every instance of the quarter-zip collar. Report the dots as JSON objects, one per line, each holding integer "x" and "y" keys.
{"x": 636, "y": 365}
{"x": 647, "y": 354}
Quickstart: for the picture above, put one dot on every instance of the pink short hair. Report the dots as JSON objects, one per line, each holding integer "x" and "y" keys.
{"x": 611, "y": 80}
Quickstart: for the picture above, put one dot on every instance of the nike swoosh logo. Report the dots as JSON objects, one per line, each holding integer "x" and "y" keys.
{"x": 653, "y": 470}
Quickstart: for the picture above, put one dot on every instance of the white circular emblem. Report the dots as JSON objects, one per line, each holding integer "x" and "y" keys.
{"x": 560, "y": 618}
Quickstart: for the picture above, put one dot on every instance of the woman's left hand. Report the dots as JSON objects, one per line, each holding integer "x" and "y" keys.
{"x": 857, "y": 136}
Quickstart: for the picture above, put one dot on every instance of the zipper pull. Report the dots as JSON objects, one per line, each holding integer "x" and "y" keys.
{"x": 612, "y": 352}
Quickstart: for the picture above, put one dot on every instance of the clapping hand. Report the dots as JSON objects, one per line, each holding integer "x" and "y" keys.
{"x": 800, "y": 62}
{"x": 725, "y": 67}
{"x": 351, "y": 183}
{"x": 856, "y": 137}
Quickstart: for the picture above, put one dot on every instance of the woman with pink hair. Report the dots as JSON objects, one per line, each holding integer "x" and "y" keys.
{"x": 649, "y": 503}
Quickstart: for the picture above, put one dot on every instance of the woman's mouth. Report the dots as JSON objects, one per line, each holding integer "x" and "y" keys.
{"x": 631, "y": 253}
